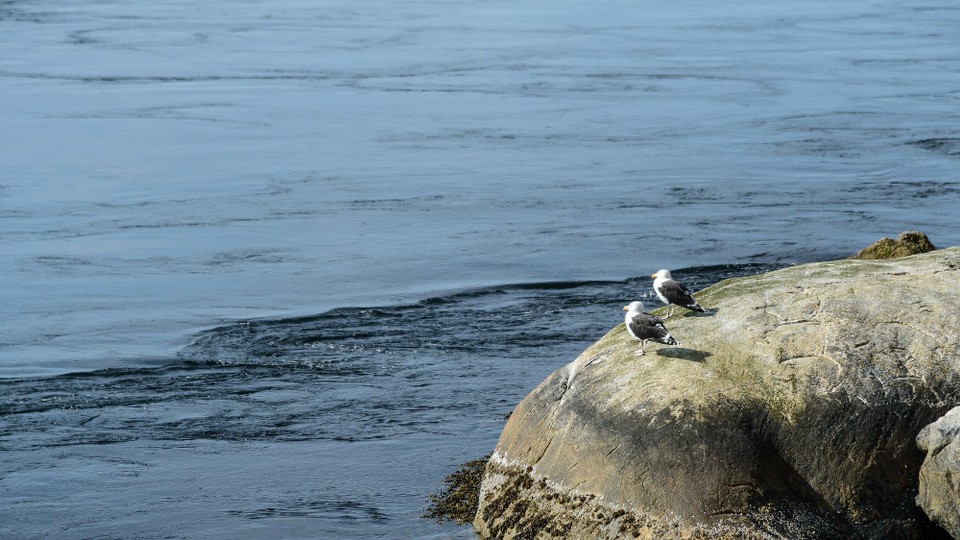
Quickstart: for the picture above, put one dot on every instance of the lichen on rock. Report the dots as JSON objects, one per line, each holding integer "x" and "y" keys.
{"x": 790, "y": 412}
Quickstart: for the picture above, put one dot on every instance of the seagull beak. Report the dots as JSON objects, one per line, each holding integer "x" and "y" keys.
{"x": 654, "y": 276}
{"x": 626, "y": 308}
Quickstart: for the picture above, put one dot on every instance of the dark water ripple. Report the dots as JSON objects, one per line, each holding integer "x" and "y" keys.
{"x": 944, "y": 145}
{"x": 329, "y": 509}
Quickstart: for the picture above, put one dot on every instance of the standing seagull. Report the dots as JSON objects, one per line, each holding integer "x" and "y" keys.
{"x": 643, "y": 326}
{"x": 672, "y": 292}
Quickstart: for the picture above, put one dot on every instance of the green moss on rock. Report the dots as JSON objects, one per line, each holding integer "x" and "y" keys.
{"x": 908, "y": 243}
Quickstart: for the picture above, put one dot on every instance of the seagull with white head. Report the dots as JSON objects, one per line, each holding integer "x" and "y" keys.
{"x": 673, "y": 293}
{"x": 645, "y": 327}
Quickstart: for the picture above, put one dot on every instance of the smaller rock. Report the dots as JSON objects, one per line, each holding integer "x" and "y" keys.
{"x": 908, "y": 243}
{"x": 940, "y": 473}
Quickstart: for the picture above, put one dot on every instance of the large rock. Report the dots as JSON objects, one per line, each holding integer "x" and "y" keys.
{"x": 940, "y": 473}
{"x": 789, "y": 411}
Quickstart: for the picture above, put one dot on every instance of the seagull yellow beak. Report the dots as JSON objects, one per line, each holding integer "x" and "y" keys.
{"x": 654, "y": 276}
{"x": 626, "y": 308}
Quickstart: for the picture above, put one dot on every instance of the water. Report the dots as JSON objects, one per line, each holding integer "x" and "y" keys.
{"x": 260, "y": 258}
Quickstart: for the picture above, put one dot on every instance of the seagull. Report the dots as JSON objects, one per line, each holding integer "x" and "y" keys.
{"x": 672, "y": 292}
{"x": 643, "y": 326}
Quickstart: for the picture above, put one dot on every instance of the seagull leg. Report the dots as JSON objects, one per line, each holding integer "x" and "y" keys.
{"x": 640, "y": 352}
{"x": 669, "y": 311}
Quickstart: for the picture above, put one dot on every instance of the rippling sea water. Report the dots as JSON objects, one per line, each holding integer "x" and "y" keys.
{"x": 274, "y": 268}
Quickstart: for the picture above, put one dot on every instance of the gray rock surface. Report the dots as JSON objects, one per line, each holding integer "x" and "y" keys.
{"x": 790, "y": 411}
{"x": 940, "y": 473}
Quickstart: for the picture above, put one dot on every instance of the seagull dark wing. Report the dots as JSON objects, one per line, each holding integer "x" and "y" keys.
{"x": 676, "y": 293}
{"x": 646, "y": 326}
